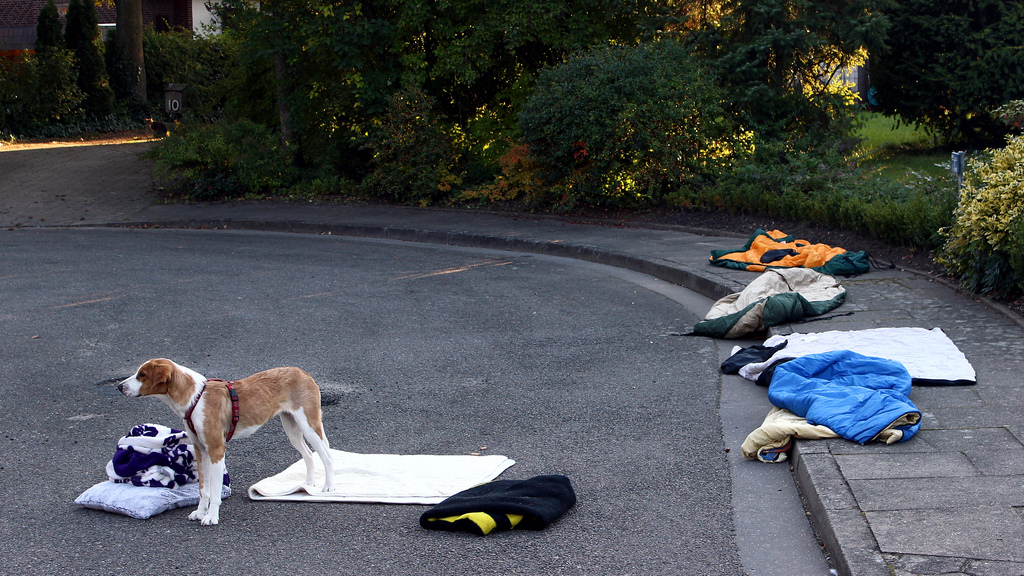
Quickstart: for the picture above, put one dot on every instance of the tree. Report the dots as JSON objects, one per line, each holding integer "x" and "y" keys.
{"x": 780, "y": 58}
{"x": 949, "y": 62}
{"x": 48, "y": 28}
{"x": 267, "y": 30}
{"x": 476, "y": 59}
{"x": 83, "y": 38}
{"x": 130, "y": 56}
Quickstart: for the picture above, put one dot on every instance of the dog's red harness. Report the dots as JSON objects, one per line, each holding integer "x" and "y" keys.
{"x": 234, "y": 407}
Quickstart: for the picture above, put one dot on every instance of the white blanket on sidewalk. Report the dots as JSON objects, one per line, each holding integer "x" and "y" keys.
{"x": 929, "y": 355}
{"x": 384, "y": 478}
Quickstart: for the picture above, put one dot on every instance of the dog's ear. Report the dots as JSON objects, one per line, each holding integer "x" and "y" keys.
{"x": 154, "y": 376}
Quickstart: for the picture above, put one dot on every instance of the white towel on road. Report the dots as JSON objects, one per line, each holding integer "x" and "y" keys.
{"x": 384, "y": 478}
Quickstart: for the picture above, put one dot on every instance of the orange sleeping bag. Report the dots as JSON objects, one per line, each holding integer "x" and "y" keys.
{"x": 776, "y": 249}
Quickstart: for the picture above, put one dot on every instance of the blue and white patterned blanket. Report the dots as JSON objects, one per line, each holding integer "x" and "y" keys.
{"x": 154, "y": 456}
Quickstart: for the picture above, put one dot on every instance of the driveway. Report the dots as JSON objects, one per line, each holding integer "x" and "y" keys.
{"x": 74, "y": 182}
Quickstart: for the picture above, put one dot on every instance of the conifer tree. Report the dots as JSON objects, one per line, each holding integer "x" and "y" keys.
{"x": 83, "y": 37}
{"x": 48, "y": 28}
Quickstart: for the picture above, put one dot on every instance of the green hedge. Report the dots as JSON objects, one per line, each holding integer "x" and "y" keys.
{"x": 37, "y": 90}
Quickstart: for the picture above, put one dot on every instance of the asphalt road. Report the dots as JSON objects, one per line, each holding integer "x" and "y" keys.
{"x": 565, "y": 367}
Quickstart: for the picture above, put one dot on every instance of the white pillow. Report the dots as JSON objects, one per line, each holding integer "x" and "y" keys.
{"x": 141, "y": 501}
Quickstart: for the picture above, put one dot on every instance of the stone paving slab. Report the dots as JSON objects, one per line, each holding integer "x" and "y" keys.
{"x": 898, "y": 466}
{"x": 977, "y": 533}
{"x": 941, "y": 491}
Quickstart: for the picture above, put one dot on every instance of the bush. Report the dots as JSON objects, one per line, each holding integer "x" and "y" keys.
{"x": 985, "y": 244}
{"x": 225, "y": 160}
{"x": 413, "y": 155}
{"x": 58, "y": 92}
{"x": 624, "y": 126}
{"x": 518, "y": 180}
{"x": 321, "y": 183}
{"x": 12, "y": 81}
{"x": 1011, "y": 113}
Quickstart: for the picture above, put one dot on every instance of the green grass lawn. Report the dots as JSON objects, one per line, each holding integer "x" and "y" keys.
{"x": 898, "y": 151}
{"x": 881, "y": 132}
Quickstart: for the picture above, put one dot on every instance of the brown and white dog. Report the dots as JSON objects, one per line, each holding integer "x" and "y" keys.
{"x": 207, "y": 408}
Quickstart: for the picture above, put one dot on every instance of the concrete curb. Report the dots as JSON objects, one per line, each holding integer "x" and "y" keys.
{"x": 834, "y": 514}
{"x": 703, "y": 284}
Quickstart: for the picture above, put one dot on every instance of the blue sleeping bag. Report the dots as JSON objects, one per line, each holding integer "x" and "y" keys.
{"x": 856, "y": 396}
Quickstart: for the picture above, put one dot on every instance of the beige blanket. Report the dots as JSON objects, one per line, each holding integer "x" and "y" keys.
{"x": 781, "y": 426}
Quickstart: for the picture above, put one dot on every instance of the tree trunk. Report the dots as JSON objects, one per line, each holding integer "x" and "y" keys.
{"x": 289, "y": 137}
{"x": 129, "y": 45}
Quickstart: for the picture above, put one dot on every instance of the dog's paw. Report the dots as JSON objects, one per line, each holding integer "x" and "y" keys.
{"x": 327, "y": 488}
{"x": 200, "y": 512}
{"x": 211, "y": 518}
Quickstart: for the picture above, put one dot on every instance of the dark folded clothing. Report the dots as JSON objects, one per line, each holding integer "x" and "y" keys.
{"x": 750, "y": 355}
{"x": 503, "y": 505}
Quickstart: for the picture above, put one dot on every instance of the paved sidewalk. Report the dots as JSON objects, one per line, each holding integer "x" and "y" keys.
{"x": 949, "y": 501}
